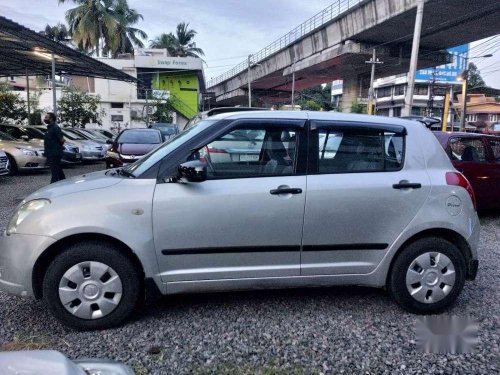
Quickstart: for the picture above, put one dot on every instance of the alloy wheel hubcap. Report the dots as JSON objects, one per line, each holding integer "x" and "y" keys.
{"x": 90, "y": 290}
{"x": 430, "y": 277}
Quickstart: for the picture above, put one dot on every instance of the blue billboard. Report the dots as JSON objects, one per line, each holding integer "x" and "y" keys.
{"x": 448, "y": 72}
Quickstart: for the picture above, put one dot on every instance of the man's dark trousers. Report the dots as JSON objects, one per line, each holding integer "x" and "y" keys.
{"x": 56, "y": 169}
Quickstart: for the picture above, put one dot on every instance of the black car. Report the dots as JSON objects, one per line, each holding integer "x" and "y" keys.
{"x": 167, "y": 130}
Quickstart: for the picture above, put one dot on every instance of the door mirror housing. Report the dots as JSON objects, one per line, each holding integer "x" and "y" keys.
{"x": 25, "y": 138}
{"x": 193, "y": 171}
{"x": 109, "y": 141}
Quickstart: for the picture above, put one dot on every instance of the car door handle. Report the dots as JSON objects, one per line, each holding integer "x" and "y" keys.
{"x": 407, "y": 185}
{"x": 286, "y": 191}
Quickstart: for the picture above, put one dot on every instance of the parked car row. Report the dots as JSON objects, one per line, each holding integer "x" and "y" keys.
{"x": 23, "y": 146}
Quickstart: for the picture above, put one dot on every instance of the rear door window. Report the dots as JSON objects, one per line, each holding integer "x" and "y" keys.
{"x": 467, "y": 149}
{"x": 359, "y": 150}
{"x": 495, "y": 148}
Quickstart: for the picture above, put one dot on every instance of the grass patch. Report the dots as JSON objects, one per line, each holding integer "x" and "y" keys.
{"x": 31, "y": 342}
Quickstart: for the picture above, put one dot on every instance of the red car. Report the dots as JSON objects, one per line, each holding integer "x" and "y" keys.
{"x": 477, "y": 156}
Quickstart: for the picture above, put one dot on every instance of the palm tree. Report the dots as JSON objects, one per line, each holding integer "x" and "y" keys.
{"x": 126, "y": 36}
{"x": 91, "y": 23}
{"x": 58, "y": 33}
{"x": 164, "y": 41}
{"x": 181, "y": 44}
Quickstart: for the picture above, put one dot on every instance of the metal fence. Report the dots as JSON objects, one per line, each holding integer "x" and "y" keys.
{"x": 313, "y": 23}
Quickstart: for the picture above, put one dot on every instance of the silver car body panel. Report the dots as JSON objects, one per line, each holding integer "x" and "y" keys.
{"x": 36, "y": 362}
{"x": 233, "y": 234}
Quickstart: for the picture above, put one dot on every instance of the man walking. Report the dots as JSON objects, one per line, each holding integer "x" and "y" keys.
{"x": 53, "y": 144}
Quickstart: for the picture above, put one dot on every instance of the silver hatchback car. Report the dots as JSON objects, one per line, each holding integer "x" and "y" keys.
{"x": 331, "y": 199}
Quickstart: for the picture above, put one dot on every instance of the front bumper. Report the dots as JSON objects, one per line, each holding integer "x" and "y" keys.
{"x": 93, "y": 155}
{"x": 71, "y": 157}
{"x": 31, "y": 162}
{"x": 18, "y": 254}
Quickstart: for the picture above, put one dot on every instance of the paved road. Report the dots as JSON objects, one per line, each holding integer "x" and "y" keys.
{"x": 327, "y": 330}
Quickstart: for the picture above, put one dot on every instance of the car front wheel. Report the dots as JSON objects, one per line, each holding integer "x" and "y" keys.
{"x": 92, "y": 285}
{"x": 427, "y": 276}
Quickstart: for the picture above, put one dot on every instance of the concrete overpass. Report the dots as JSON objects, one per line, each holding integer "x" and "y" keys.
{"x": 335, "y": 43}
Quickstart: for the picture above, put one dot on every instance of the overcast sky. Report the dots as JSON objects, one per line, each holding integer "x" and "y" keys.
{"x": 228, "y": 30}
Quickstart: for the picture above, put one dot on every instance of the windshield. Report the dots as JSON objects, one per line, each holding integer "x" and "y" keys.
{"x": 148, "y": 160}
{"x": 6, "y": 137}
{"x": 166, "y": 129}
{"x": 34, "y": 133}
{"x": 72, "y": 136}
{"x": 93, "y": 135}
{"x": 139, "y": 137}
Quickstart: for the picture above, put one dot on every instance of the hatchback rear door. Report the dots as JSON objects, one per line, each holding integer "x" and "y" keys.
{"x": 365, "y": 184}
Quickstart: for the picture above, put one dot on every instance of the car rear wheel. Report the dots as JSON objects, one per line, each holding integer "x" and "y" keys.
{"x": 427, "y": 276}
{"x": 92, "y": 285}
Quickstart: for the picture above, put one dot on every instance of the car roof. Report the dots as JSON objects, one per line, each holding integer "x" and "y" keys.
{"x": 318, "y": 115}
{"x": 446, "y": 135}
{"x": 142, "y": 130}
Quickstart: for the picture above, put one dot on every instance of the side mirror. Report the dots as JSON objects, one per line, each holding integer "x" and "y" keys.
{"x": 25, "y": 138}
{"x": 193, "y": 171}
{"x": 109, "y": 141}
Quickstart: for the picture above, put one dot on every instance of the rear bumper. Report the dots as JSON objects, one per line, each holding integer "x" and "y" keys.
{"x": 473, "y": 241}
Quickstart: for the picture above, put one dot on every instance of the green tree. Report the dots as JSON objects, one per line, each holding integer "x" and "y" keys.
{"x": 358, "y": 107}
{"x": 126, "y": 36}
{"x": 320, "y": 95}
{"x": 76, "y": 108}
{"x": 162, "y": 111}
{"x": 474, "y": 78}
{"x": 58, "y": 33}
{"x": 35, "y": 116}
{"x": 91, "y": 24}
{"x": 181, "y": 44}
{"x": 12, "y": 106}
{"x": 309, "y": 105}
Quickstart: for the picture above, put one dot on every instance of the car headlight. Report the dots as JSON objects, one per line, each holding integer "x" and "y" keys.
{"x": 112, "y": 154}
{"x": 27, "y": 152}
{"x": 23, "y": 212}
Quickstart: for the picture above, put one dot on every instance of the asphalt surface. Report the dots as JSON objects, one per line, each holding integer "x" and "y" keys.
{"x": 327, "y": 330}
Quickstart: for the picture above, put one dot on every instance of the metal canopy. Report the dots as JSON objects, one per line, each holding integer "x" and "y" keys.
{"x": 23, "y": 51}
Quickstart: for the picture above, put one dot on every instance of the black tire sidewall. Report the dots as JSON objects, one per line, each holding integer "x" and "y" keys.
{"x": 100, "y": 252}
{"x": 397, "y": 283}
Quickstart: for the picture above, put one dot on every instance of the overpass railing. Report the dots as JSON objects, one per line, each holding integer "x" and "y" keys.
{"x": 313, "y": 23}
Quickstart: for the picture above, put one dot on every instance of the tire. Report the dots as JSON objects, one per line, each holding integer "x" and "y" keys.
{"x": 95, "y": 254}
{"x": 444, "y": 291}
{"x": 13, "y": 170}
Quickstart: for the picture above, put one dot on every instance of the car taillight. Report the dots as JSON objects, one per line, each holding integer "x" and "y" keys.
{"x": 216, "y": 150}
{"x": 458, "y": 179}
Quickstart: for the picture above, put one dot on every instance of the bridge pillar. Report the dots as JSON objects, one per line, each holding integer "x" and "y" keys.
{"x": 350, "y": 92}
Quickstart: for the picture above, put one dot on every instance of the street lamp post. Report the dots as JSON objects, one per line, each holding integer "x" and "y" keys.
{"x": 465, "y": 77}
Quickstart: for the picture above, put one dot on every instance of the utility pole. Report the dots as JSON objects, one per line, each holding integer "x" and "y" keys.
{"x": 371, "y": 95}
{"x": 293, "y": 85}
{"x": 147, "y": 109}
{"x": 28, "y": 96}
{"x": 249, "y": 81}
{"x": 446, "y": 110}
{"x": 414, "y": 59}
{"x": 464, "y": 100}
{"x": 54, "y": 99}
{"x": 430, "y": 102}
